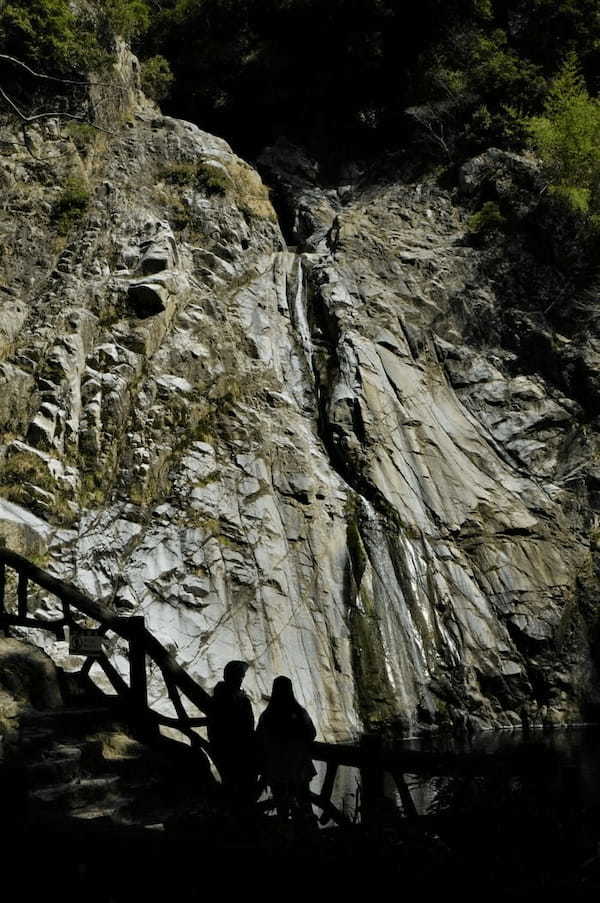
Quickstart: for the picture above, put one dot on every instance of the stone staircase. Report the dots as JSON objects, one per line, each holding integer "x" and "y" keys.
{"x": 84, "y": 762}
{"x": 65, "y": 768}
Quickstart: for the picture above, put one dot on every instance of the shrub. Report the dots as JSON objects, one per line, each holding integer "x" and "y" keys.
{"x": 42, "y": 32}
{"x": 566, "y": 137}
{"x": 127, "y": 18}
{"x": 70, "y": 205}
{"x": 157, "y": 77}
{"x": 488, "y": 219}
{"x": 83, "y": 135}
{"x": 211, "y": 179}
{"x": 56, "y": 35}
{"x": 178, "y": 173}
{"x": 202, "y": 176}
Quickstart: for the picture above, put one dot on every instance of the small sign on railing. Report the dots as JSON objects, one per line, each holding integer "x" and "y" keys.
{"x": 85, "y": 642}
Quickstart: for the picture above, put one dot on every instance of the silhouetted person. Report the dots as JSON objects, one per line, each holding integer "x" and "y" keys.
{"x": 231, "y": 734}
{"x": 284, "y": 736}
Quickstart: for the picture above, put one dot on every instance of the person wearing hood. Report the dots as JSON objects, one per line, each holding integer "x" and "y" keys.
{"x": 284, "y": 737}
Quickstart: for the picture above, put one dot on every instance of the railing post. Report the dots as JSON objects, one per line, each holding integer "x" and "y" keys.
{"x": 137, "y": 664}
{"x": 408, "y": 804}
{"x": 371, "y": 777}
{"x": 327, "y": 789}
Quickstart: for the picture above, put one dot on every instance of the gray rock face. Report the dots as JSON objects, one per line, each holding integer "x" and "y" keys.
{"x": 293, "y": 456}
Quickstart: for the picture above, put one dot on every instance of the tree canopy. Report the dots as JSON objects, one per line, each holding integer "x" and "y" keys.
{"x": 447, "y": 77}
{"x": 566, "y": 137}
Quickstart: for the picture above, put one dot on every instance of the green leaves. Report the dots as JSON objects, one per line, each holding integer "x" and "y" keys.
{"x": 59, "y": 36}
{"x": 488, "y": 219}
{"x": 70, "y": 205}
{"x": 566, "y": 137}
{"x": 41, "y": 32}
{"x": 126, "y": 18}
{"x": 157, "y": 77}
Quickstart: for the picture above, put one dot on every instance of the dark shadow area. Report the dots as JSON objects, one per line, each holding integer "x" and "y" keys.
{"x": 527, "y": 827}
{"x": 495, "y": 846}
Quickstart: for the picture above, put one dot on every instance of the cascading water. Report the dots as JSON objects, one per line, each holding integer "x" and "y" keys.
{"x": 406, "y": 672}
{"x": 297, "y": 299}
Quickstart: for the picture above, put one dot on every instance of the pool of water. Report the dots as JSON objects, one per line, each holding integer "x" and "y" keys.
{"x": 566, "y": 759}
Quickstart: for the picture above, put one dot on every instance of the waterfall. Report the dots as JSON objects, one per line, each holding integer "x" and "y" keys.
{"x": 406, "y": 665}
{"x": 298, "y": 311}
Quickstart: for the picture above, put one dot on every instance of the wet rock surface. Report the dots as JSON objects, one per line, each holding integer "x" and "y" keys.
{"x": 295, "y": 455}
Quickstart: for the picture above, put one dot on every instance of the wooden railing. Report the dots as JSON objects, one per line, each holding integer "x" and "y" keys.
{"x": 142, "y": 646}
{"x": 369, "y": 757}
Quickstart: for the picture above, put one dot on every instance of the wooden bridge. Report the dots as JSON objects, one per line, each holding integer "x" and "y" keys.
{"x": 369, "y": 756}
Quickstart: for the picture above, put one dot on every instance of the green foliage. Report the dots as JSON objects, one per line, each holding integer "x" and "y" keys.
{"x": 550, "y": 28}
{"x": 60, "y": 36}
{"x": 70, "y": 205}
{"x": 178, "y": 173}
{"x": 157, "y": 77}
{"x": 476, "y": 77}
{"x": 488, "y": 219}
{"x": 42, "y": 32}
{"x": 566, "y": 137}
{"x": 576, "y": 198}
{"x": 211, "y": 179}
{"x": 127, "y": 18}
{"x": 496, "y": 70}
{"x": 240, "y": 67}
{"x": 83, "y": 135}
{"x": 203, "y": 176}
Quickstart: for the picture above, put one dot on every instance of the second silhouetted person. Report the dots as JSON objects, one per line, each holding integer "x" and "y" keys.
{"x": 284, "y": 736}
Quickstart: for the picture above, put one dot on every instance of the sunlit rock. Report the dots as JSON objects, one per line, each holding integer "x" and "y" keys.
{"x": 298, "y": 455}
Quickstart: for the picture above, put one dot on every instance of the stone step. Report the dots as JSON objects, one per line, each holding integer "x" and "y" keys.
{"x": 78, "y": 794}
{"x": 61, "y": 765}
{"x": 92, "y": 758}
{"x": 113, "y": 811}
{"x": 80, "y": 762}
{"x": 71, "y": 721}
{"x": 33, "y": 740}
{"x": 136, "y": 770}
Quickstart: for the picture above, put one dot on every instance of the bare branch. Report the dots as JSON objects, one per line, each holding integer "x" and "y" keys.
{"x": 28, "y": 119}
{"x": 12, "y": 105}
{"x": 36, "y": 117}
{"x": 431, "y": 120}
{"x": 52, "y": 78}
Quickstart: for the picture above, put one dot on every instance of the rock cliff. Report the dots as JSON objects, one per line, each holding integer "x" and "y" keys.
{"x": 313, "y": 452}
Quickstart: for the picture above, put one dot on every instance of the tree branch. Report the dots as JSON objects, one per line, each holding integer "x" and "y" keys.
{"x": 53, "y": 78}
{"x": 27, "y": 120}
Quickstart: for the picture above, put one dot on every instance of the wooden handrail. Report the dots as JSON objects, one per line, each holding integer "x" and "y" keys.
{"x": 370, "y": 757}
{"x": 142, "y": 642}
{"x": 59, "y": 588}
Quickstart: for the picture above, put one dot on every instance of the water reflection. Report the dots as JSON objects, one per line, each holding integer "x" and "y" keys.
{"x": 566, "y": 760}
